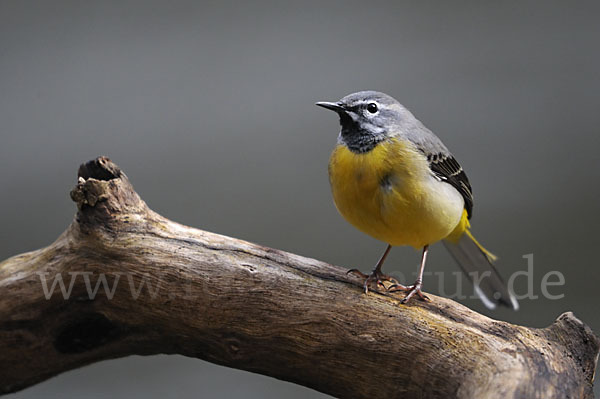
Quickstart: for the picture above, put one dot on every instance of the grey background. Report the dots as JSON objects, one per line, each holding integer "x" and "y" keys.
{"x": 208, "y": 107}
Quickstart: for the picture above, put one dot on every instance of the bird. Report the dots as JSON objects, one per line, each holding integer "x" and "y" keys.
{"x": 394, "y": 179}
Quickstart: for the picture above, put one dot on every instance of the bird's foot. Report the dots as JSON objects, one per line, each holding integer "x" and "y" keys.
{"x": 376, "y": 278}
{"x": 411, "y": 290}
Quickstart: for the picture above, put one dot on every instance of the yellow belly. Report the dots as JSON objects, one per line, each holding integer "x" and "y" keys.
{"x": 389, "y": 194}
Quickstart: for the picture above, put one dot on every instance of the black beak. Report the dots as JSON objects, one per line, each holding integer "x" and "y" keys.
{"x": 332, "y": 106}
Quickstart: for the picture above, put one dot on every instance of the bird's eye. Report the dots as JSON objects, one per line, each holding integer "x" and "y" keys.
{"x": 372, "y": 108}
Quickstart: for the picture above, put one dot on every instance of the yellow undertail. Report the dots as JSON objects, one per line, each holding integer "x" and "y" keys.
{"x": 463, "y": 228}
{"x": 477, "y": 264}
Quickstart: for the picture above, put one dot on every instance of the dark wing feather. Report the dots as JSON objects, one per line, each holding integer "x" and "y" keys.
{"x": 447, "y": 169}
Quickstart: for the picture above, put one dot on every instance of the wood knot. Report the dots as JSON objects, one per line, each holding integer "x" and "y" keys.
{"x": 89, "y": 192}
{"x": 100, "y": 168}
{"x": 93, "y": 181}
{"x": 233, "y": 346}
{"x": 101, "y": 181}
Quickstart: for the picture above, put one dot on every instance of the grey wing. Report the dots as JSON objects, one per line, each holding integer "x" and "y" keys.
{"x": 446, "y": 168}
{"x": 442, "y": 163}
{"x": 467, "y": 253}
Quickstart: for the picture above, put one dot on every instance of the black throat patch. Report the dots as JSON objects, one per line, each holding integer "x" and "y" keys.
{"x": 360, "y": 144}
{"x": 356, "y": 138}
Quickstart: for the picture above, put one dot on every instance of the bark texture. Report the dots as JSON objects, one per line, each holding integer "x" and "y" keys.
{"x": 175, "y": 289}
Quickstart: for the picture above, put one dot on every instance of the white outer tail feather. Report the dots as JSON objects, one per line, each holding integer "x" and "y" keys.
{"x": 492, "y": 289}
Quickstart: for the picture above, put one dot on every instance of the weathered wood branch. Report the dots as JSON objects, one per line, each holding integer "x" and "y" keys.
{"x": 254, "y": 308}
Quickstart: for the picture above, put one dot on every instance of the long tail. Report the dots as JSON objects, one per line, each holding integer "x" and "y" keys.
{"x": 477, "y": 263}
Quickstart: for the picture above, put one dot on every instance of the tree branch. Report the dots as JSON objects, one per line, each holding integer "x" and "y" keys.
{"x": 230, "y": 302}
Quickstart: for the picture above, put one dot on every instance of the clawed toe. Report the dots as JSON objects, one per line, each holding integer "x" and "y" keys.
{"x": 376, "y": 278}
{"x": 357, "y": 273}
{"x": 398, "y": 287}
{"x": 413, "y": 290}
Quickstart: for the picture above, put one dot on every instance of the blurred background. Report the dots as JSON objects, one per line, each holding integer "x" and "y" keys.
{"x": 209, "y": 109}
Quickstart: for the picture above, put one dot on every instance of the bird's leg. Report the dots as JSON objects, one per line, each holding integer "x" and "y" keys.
{"x": 376, "y": 275}
{"x": 416, "y": 287}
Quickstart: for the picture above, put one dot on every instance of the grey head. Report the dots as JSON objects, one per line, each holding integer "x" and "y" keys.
{"x": 370, "y": 117}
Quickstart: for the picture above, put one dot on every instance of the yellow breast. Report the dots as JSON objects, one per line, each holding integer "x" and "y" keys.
{"x": 390, "y": 194}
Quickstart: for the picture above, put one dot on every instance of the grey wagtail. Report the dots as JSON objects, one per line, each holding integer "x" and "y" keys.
{"x": 393, "y": 179}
